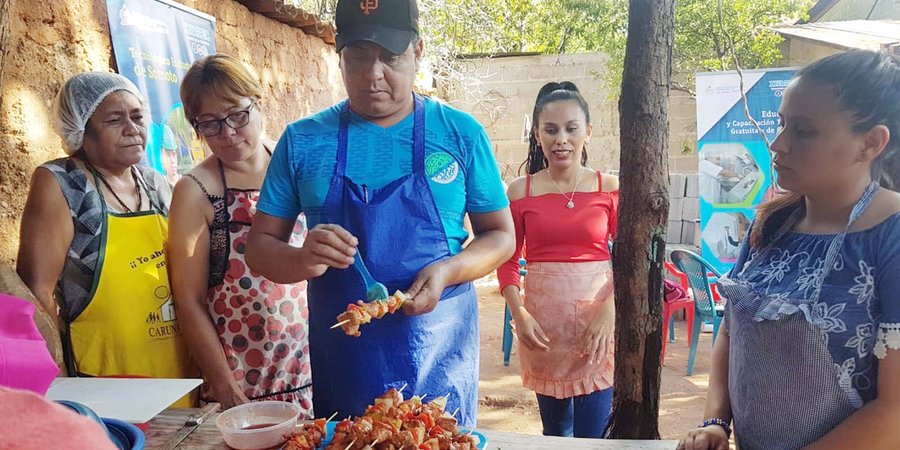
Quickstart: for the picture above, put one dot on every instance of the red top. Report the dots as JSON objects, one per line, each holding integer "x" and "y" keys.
{"x": 556, "y": 233}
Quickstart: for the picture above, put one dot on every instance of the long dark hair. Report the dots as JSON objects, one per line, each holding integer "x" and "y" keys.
{"x": 549, "y": 93}
{"x": 866, "y": 84}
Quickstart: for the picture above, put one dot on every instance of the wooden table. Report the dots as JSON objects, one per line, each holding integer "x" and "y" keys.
{"x": 207, "y": 437}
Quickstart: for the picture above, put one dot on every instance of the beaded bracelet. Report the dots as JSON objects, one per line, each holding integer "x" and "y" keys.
{"x": 716, "y": 421}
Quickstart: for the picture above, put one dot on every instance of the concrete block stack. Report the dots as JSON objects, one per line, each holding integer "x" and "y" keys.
{"x": 684, "y": 209}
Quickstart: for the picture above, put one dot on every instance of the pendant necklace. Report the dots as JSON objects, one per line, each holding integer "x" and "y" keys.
{"x": 571, "y": 198}
{"x": 137, "y": 187}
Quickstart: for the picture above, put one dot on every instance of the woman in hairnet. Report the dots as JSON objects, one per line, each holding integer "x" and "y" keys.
{"x": 93, "y": 234}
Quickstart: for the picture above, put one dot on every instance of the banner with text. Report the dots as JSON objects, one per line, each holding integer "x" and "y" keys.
{"x": 735, "y": 164}
{"x": 155, "y": 42}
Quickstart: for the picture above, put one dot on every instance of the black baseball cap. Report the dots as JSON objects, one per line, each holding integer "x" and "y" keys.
{"x": 391, "y": 24}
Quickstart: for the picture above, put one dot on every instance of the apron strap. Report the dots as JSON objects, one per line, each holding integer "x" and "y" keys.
{"x": 222, "y": 172}
{"x": 222, "y": 177}
{"x": 837, "y": 244}
{"x": 143, "y": 183}
{"x": 341, "y": 167}
{"x": 834, "y": 248}
{"x": 68, "y": 350}
{"x": 418, "y": 135}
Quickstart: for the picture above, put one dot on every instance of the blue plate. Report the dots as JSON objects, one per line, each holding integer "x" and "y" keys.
{"x": 329, "y": 433}
{"x": 89, "y": 413}
{"x": 127, "y": 436}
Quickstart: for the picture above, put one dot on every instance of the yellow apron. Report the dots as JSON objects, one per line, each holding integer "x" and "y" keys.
{"x": 129, "y": 327}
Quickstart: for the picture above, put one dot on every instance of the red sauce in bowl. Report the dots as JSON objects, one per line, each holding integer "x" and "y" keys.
{"x": 258, "y": 426}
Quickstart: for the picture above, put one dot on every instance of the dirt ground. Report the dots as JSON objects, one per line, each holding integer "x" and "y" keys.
{"x": 505, "y": 405}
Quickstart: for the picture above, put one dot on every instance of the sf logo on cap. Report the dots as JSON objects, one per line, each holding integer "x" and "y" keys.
{"x": 368, "y": 5}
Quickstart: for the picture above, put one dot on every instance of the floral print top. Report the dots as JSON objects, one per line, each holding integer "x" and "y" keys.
{"x": 858, "y": 308}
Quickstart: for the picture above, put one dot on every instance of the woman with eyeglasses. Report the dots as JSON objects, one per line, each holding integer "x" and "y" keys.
{"x": 248, "y": 334}
{"x": 93, "y": 237}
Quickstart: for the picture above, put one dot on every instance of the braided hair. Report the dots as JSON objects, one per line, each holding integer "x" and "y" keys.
{"x": 549, "y": 93}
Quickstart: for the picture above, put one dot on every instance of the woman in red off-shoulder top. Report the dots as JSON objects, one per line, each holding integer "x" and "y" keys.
{"x": 565, "y": 213}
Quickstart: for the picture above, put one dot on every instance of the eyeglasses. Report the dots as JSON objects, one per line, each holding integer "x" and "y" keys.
{"x": 235, "y": 120}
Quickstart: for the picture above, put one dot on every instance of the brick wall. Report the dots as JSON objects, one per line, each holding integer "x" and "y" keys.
{"x": 684, "y": 209}
{"x": 48, "y": 41}
{"x": 504, "y": 96}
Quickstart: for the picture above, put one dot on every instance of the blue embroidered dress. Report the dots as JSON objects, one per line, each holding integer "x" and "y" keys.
{"x": 805, "y": 341}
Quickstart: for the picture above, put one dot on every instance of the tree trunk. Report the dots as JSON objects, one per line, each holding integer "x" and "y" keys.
{"x": 4, "y": 51}
{"x": 640, "y": 244}
{"x": 4, "y": 37}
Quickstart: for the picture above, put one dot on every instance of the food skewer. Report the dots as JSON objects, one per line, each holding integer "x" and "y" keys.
{"x": 361, "y": 312}
{"x": 394, "y": 423}
{"x": 309, "y": 436}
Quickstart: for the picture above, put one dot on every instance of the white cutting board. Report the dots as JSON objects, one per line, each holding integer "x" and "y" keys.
{"x": 135, "y": 400}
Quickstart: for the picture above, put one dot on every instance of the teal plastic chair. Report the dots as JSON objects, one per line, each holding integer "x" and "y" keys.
{"x": 507, "y": 321}
{"x": 705, "y": 307}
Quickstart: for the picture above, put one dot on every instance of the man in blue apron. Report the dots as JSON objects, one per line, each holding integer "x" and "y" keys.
{"x": 391, "y": 175}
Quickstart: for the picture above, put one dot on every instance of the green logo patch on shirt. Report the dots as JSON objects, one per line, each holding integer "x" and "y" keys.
{"x": 441, "y": 168}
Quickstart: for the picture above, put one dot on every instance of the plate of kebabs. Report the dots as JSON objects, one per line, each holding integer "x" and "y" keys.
{"x": 391, "y": 423}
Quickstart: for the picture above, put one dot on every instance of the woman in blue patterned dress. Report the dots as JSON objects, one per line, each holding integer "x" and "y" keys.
{"x": 809, "y": 355}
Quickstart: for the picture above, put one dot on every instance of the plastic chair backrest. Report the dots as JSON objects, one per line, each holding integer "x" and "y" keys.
{"x": 696, "y": 269}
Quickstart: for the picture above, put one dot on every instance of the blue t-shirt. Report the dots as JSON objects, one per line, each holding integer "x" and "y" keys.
{"x": 459, "y": 163}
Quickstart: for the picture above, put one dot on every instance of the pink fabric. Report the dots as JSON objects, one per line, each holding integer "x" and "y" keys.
{"x": 551, "y": 232}
{"x": 262, "y": 325}
{"x": 672, "y": 291}
{"x": 31, "y": 422}
{"x": 25, "y": 361}
{"x": 562, "y": 298}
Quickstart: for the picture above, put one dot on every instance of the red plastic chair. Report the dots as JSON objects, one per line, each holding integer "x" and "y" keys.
{"x": 669, "y": 309}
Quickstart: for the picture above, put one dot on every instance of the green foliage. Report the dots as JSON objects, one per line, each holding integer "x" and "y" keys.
{"x": 460, "y": 27}
{"x": 516, "y": 26}
{"x": 548, "y": 26}
{"x": 702, "y": 45}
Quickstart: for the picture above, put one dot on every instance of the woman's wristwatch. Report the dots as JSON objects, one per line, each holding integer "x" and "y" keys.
{"x": 725, "y": 424}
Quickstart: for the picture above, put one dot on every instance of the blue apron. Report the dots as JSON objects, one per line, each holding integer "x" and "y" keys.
{"x": 400, "y": 232}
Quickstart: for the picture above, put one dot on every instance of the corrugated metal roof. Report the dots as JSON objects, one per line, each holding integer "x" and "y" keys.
{"x": 295, "y": 17}
{"x": 859, "y": 34}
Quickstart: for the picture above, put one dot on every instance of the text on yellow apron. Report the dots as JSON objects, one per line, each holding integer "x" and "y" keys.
{"x": 129, "y": 327}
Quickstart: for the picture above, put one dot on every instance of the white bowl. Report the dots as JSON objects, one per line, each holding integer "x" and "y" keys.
{"x": 258, "y": 425}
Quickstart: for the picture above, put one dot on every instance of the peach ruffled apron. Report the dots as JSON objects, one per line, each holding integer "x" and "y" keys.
{"x": 563, "y": 297}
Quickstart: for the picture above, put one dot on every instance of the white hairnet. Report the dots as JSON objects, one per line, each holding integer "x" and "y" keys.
{"x": 78, "y": 100}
